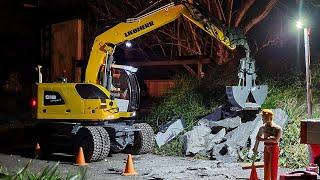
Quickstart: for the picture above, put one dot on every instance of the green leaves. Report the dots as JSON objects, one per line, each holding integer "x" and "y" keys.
{"x": 48, "y": 173}
{"x": 291, "y": 99}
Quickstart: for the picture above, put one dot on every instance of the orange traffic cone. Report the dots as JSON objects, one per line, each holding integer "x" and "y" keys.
{"x": 254, "y": 175}
{"x": 129, "y": 169}
{"x": 80, "y": 161}
{"x": 37, "y": 150}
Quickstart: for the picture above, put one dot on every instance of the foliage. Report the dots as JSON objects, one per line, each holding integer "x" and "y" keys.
{"x": 182, "y": 101}
{"x": 48, "y": 173}
{"x": 174, "y": 148}
{"x": 293, "y": 154}
{"x": 185, "y": 101}
{"x": 292, "y": 99}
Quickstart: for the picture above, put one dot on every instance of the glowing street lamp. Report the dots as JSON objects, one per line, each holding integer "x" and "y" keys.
{"x": 299, "y": 24}
{"x": 306, "y": 30}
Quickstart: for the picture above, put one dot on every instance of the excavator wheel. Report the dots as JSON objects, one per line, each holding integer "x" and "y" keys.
{"x": 94, "y": 141}
{"x": 143, "y": 140}
{"x": 105, "y": 139}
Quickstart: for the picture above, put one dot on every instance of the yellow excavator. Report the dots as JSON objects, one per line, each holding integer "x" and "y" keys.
{"x": 91, "y": 115}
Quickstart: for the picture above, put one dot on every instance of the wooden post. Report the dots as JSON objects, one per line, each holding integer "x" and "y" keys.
{"x": 308, "y": 74}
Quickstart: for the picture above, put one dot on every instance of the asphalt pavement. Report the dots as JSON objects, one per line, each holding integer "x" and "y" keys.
{"x": 148, "y": 166}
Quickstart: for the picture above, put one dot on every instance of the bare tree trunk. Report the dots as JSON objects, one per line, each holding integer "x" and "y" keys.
{"x": 216, "y": 10}
{"x": 221, "y": 11}
{"x": 195, "y": 38}
{"x": 242, "y": 11}
{"x": 229, "y": 12}
{"x": 160, "y": 44}
{"x": 261, "y": 16}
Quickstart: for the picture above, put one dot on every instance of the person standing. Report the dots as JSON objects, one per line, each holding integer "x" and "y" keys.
{"x": 270, "y": 133}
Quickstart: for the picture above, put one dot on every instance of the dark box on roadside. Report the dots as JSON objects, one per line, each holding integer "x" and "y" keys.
{"x": 310, "y": 131}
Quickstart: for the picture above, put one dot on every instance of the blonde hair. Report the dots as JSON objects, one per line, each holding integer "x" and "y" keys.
{"x": 267, "y": 113}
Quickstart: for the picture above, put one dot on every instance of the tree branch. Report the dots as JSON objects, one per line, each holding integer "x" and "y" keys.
{"x": 195, "y": 38}
{"x": 216, "y": 10}
{"x": 261, "y": 16}
{"x": 242, "y": 11}
{"x": 221, "y": 11}
{"x": 229, "y": 12}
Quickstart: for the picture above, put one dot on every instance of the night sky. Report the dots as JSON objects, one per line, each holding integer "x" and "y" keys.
{"x": 21, "y": 25}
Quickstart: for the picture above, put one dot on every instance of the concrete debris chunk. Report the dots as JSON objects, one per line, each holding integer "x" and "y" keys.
{"x": 196, "y": 139}
{"x": 252, "y": 137}
{"x": 200, "y": 140}
{"x": 241, "y": 135}
{"x": 225, "y": 153}
{"x": 172, "y": 131}
{"x": 221, "y": 112}
{"x": 214, "y": 139}
{"x": 216, "y": 126}
{"x": 223, "y": 139}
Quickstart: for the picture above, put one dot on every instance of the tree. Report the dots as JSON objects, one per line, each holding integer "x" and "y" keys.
{"x": 181, "y": 38}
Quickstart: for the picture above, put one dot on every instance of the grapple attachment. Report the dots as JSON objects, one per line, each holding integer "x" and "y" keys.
{"x": 247, "y": 95}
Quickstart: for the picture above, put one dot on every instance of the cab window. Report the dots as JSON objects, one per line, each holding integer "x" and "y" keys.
{"x": 89, "y": 91}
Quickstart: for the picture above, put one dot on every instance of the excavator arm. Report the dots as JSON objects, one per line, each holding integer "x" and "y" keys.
{"x": 247, "y": 95}
{"x": 135, "y": 27}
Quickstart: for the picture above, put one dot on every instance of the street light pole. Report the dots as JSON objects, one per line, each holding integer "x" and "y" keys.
{"x": 306, "y": 31}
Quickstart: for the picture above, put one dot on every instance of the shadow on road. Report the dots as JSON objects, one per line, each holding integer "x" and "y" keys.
{"x": 21, "y": 141}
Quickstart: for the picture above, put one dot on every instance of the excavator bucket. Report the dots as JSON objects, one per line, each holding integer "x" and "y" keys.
{"x": 247, "y": 97}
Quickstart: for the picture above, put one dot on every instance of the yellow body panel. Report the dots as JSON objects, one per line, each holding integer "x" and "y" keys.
{"x": 74, "y": 106}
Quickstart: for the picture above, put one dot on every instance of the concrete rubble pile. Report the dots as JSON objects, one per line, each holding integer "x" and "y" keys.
{"x": 223, "y": 139}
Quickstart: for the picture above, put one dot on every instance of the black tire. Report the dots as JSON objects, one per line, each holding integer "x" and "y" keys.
{"x": 89, "y": 139}
{"x": 143, "y": 140}
{"x": 105, "y": 142}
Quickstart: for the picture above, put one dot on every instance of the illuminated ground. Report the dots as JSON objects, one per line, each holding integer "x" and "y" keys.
{"x": 148, "y": 166}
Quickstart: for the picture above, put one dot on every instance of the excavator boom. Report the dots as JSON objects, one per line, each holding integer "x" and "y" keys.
{"x": 138, "y": 26}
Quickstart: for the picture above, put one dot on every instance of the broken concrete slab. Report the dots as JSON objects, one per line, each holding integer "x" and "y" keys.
{"x": 200, "y": 140}
{"x": 221, "y": 112}
{"x": 231, "y": 135}
{"x": 241, "y": 135}
{"x": 217, "y": 138}
{"x": 172, "y": 131}
{"x": 196, "y": 139}
{"x": 216, "y": 126}
{"x": 212, "y": 140}
{"x": 252, "y": 137}
{"x": 224, "y": 153}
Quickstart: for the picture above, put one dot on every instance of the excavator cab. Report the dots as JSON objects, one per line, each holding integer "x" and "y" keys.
{"x": 125, "y": 87}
